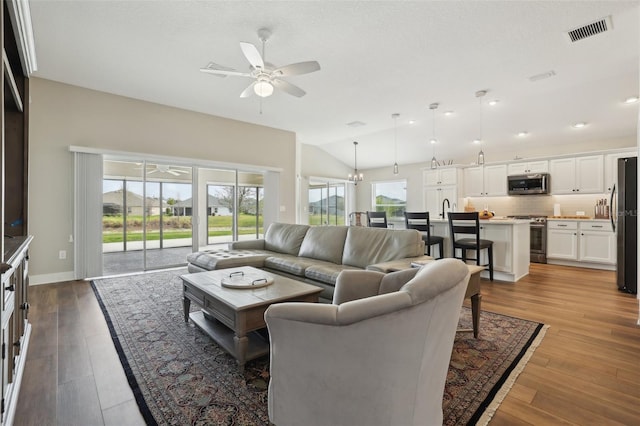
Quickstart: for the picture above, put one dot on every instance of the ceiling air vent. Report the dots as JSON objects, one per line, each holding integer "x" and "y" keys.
{"x": 591, "y": 29}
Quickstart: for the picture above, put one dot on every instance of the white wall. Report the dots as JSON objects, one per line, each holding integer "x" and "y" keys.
{"x": 62, "y": 115}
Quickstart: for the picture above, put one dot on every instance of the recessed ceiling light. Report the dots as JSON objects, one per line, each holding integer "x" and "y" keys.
{"x": 476, "y": 141}
{"x": 412, "y": 121}
{"x": 494, "y": 102}
{"x": 631, "y": 100}
{"x": 523, "y": 134}
{"x": 448, "y": 113}
{"x": 579, "y": 125}
{"x": 433, "y": 141}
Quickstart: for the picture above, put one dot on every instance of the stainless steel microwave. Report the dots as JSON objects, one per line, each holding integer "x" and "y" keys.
{"x": 533, "y": 184}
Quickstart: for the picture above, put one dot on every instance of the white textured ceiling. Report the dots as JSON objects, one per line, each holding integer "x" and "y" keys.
{"x": 377, "y": 58}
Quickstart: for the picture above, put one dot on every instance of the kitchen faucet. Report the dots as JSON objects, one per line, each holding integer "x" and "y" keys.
{"x": 448, "y": 205}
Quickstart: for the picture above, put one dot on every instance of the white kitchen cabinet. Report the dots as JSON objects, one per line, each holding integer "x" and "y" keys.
{"x": 597, "y": 242}
{"x": 441, "y": 176}
{"x": 484, "y": 181}
{"x": 611, "y": 168}
{"x": 562, "y": 240}
{"x": 577, "y": 175}
{"x": 541, "y": 166}
{"x": 589, "y": 243}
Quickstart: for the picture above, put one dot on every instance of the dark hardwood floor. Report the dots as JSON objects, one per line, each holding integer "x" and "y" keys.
{"x": 586, "y": 371}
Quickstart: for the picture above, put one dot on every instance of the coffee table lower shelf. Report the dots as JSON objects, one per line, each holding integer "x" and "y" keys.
{"x": 257, "y": 345}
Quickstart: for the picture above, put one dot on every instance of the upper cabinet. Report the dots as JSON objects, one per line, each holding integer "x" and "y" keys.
{"x": 437, "y": 177}
{"x": 541, "y": 166}
{"x": 611, "y": 168}
{"x": 577, "y": 175}
{"x": 485, "y": 181}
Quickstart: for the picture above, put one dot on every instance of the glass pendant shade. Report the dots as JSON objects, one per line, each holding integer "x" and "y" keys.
{"x": 355, "y": 177}
{"x": 395, "y": 136}
{"x": 480, "y": 158}
{"x": 434, "y": 162}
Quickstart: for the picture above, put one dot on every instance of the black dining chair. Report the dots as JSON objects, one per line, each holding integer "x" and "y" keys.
{"x": 420, "y": 222}
{"x": 377, "y": 219}
{"x": 468, "y": 223}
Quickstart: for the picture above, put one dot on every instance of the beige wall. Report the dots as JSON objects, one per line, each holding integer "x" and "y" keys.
{"x": 62, "y": 115}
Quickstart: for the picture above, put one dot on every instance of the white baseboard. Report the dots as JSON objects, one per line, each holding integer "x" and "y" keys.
{"x": 51, "y": 278}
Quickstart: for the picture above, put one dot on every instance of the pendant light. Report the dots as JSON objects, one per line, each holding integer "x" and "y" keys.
{"x": 395, "y": 133}
{"x": 480, "y": 94}
{"x": 356, "y": 177}
{"x": 434, "y": 162}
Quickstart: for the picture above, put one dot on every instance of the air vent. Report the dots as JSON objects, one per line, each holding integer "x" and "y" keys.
{"x": 591, "y": 29}
{"x": 356, "y": 124}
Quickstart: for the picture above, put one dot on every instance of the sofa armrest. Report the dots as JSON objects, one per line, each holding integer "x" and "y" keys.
{"x": 398, "y": 264}
{"x": 247, "y": 245}
{"x": 353, "y": 285}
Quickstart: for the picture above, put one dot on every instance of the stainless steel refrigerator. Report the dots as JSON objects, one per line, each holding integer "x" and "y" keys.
{"x": 625, "y": 224}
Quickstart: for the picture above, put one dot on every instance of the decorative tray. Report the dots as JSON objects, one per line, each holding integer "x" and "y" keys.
{"x": 242, "y": 280}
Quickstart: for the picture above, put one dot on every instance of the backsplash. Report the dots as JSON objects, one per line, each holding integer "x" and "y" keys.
{"x": 537, "y": 204}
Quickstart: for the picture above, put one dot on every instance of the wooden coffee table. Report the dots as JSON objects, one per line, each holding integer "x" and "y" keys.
{"x": 239, "y": 313}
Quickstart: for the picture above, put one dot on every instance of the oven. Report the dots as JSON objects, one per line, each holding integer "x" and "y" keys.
{"x": 538, "y": 239}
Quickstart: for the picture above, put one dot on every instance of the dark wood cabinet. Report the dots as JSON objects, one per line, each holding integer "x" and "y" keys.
{"x": 15, "y": 329}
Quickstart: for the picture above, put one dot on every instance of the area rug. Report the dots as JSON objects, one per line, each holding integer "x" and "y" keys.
{"x": 179, "y": 376}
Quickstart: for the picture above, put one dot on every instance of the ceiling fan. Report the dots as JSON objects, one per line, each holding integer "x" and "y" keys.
{"x": 163, "y": 168}
{"x": 266, "y": 76}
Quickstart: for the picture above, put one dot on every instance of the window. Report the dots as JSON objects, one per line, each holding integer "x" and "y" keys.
{"x": 326, "y": 204}
{"x": 390, "y": 197}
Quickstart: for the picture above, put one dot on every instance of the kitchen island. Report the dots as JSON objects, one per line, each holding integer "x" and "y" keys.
{"x": 511, "y": 245}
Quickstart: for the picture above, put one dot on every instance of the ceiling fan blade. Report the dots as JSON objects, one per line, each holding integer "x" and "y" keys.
{"x": 285, "y": 86}
{"x": 152, "y": 171}
{"x": 220, "y": 71}
{"x": 252, "y": 55}
{"x": 173, "y": 172}
{"x": 297, "y": 69}
{"x": 248, "y": 91}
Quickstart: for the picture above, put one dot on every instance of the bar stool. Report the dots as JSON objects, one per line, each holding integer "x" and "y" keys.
{"x": 377, "y": 219}
{"x": 420, "y": 222}
{"x": 468, "y": 223}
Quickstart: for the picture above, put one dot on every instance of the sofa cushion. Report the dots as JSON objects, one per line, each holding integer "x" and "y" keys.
{"x": 285, "y": 237}
{"x": 291, "y": 264}
{"x": 324, "y": 243}
{"x": 326, "y": 272}
{"x": 366, "y": 246}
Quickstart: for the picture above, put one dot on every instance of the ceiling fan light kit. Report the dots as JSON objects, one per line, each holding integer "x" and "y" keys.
{"x": 266, "y": 76}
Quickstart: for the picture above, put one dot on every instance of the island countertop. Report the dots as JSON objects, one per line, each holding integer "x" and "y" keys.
{"x": 493, "y": 221}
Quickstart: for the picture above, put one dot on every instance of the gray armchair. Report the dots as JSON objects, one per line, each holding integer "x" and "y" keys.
{"x": 378, "y": 355}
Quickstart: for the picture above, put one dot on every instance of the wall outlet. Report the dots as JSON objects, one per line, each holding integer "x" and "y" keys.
{"x": 62, "y": 254}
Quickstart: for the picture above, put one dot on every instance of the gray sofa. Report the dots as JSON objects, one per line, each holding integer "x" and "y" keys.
{"x": 317, "y": 254}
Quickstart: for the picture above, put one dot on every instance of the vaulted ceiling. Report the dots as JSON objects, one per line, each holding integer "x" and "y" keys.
{"x": 377, "y": 58}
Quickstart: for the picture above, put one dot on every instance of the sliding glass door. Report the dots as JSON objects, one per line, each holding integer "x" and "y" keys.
{"x": 146, "y": 216}
{"x": 234, "y": 205}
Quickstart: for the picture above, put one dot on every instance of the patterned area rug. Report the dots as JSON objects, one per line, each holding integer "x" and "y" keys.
{"x": 180, "y": 376}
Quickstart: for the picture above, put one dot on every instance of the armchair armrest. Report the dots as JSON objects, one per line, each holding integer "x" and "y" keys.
{"x": 247, "y": 245}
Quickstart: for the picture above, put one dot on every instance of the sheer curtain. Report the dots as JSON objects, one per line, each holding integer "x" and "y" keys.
{"x": 87, "y": 226}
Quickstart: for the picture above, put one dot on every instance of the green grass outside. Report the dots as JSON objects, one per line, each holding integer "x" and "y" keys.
{"x": 174, "y": 227}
